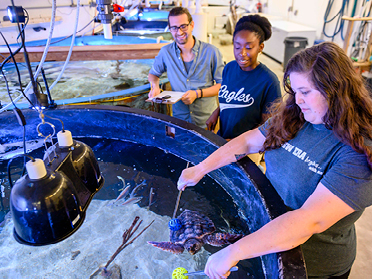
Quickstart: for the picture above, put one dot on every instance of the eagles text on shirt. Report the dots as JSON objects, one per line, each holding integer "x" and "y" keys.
{"x": 239, "y": 96}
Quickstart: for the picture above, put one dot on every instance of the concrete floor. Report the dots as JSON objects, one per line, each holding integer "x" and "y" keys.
{"x": 361, "y": 269}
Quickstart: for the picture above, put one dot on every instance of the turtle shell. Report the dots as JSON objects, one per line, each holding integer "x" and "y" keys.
{"x": 194, "y": 225}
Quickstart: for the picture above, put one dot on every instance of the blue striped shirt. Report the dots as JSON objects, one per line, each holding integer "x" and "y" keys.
{"x": 205, "y": 71}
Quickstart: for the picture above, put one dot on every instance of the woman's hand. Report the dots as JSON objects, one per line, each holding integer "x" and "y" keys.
{"x": 189, "y": 97}
{"x": 219, "y": 264}
{"x": 212, "y": 120}
{"x": 189, "y": 177}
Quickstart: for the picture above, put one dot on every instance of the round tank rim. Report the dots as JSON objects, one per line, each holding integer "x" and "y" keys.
{"x": 290, "y": 263}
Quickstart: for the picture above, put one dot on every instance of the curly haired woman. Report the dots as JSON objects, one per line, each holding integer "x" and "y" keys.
{"x": 318, "y": 148}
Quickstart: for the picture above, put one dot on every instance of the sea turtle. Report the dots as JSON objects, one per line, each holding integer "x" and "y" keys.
{"x": 197, "y": 230}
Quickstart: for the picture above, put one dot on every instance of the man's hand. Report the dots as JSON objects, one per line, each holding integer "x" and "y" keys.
{"x": 155, "y": 90}
{"x": 189, "y": 97}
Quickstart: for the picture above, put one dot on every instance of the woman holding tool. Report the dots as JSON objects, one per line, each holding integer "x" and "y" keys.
{"x": 175, "y": 224}
{"x": 248, "y": 86}
{"x": 318, "y": 146}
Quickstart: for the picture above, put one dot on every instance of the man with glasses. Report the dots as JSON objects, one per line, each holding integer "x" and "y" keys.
{"x": 192, "y": 66}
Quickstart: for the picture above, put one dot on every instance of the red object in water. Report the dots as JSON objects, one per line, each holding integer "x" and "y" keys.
{"x": 259, "y": 7}
{"x": 118, "y": 8}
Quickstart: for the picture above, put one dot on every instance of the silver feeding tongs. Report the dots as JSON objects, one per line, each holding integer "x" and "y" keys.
{"x": 234, "y": 268}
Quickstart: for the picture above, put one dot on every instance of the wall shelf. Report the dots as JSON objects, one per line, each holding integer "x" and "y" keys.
{"x": 365, "y": 62}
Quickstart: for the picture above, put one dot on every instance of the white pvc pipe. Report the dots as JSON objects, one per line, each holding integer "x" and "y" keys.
{"x": 198, "y": 8}
{"x": 107, "y": 31}
{"x": 191, "y": 6}
{"x": 185, "y": 3}
{"x": 53, "y": 19}
{"x": 133, "y": 6}
{"x": 71, "y": 46}
{"x": 201, "y": 20}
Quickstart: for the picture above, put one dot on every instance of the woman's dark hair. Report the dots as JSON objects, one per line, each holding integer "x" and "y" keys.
{"x": 180, "y": 11}
{"x": 256, "y": 24}
{"x": 349, "y": 115}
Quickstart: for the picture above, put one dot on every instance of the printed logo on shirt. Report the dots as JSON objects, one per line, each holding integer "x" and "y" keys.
{"x": 239, "y": 96}
{"x": 313, "y": 166}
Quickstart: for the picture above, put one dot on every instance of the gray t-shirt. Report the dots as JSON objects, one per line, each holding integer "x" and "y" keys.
{"x": 317, "y": 155}
{"x": 188, "y": 65}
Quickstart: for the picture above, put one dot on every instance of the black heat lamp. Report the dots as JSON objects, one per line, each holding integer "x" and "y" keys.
{"x": 49, "y": 203}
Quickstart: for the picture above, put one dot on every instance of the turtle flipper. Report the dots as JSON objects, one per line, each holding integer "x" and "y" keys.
{"x": 168, "y": 246}
{"x": 219, "y": 239}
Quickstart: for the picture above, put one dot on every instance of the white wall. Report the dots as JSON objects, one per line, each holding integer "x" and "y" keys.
{"x": 309, "y": 13}
{"x": 61, "y": 28}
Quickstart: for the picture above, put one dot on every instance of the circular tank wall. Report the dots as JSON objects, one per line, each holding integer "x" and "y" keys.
{"x": 243, "y": 181}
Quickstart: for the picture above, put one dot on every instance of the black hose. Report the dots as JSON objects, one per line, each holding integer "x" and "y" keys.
{"x": 27, "y": 61}
{"x": 17, "y": 69}
{"x": 340, "y": 22}
{"x": 10, "y": 162}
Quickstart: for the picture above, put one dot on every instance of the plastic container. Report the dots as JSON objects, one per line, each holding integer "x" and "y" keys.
{"x": 292, "y": 45}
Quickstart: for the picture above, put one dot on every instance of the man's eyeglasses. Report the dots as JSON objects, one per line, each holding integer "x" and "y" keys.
{"x": 183, "y": 27}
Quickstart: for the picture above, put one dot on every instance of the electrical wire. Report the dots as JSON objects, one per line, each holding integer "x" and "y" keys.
{"x": 64, "y": 38}
{"x": 94, "y": 22}
{"x": 41, "y": 89}
{"x": 10, "y": 162}
{"x": 17, "y": 69}
{"x": 24, "y": 150}
{"x": 34, "y": 85}
{"x": 23, "y": 122}
{"x": 92, "y": 29}
{"x": 7, "y": 87}
{"x": 63, "y": 125}
{"x": 28, "y": 18}
{"x": 21, "y": 94}
{"x": 6, "y": 60}
{"x": 107, "y": 101}
{"x": 358, "y": 43}
{"x": 52, "y": 104}
{"x": 361, "y": 34}
{"x": 51, "y": 28}
{"x": 5, "y": 107}
{"x": 71, "y": 46}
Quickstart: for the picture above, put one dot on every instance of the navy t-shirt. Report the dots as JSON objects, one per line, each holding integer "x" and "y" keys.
{"x": 244, "y": 96}
{"x": 317, "y": 155}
